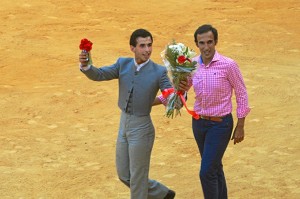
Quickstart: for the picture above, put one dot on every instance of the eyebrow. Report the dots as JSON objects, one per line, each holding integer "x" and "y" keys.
{"x": 207, "y": 41}
{"x": 145, "y": 44}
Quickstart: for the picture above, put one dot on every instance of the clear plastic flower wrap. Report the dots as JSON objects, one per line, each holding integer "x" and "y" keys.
{"x": 177, "y": 58}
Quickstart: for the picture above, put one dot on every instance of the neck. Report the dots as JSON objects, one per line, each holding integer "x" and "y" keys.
{"x": 206, "y": 61}
{"x": 140, "y": 62}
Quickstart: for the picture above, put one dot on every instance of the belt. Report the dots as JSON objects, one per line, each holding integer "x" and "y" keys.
{"x": 215, "y": 119}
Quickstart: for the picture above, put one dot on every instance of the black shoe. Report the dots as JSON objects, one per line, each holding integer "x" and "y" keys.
{"x": 170, "y": 195}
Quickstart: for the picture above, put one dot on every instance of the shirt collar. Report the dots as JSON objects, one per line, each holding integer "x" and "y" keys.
{"x": 139, "y": 66}
{"x": 215, "y": 58}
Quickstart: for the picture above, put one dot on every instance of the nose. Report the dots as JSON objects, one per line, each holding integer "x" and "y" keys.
{"x": 147, "y": 48}
{"x": 205, "y": 46}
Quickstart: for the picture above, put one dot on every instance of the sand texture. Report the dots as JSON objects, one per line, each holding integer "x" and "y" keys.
{"x": 58, "y": 129}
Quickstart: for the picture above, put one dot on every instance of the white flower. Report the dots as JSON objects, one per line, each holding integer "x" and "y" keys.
{"x": 191, "y": 53}
{"x": 177, "y": 58}
{"x": 179, "y": 48}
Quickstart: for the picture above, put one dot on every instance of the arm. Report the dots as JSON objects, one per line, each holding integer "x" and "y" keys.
{"x": 164, "y": 83}
{"x": 237, "y": 82}
{"x": 98, "y": 74}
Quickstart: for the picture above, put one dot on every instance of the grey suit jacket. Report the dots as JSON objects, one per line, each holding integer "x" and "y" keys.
{"x": 144, "y": 84}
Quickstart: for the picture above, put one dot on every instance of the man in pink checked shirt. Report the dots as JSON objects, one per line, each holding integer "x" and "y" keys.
{"x": 214, "y": 81}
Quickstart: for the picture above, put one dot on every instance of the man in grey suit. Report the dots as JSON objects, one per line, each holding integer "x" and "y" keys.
{"x": 139, "y": 81}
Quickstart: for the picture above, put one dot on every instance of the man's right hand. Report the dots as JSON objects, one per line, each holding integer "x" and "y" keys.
{"x": 184, "y": 86}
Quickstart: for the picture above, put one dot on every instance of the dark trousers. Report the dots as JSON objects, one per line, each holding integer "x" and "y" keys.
{"x": 212, "y": 139}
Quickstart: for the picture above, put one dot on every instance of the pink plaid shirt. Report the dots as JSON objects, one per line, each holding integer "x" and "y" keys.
{"x": 213, "y": 85}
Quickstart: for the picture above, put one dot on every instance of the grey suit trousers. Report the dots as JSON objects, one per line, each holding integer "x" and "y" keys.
{"x": 133, "y": 152}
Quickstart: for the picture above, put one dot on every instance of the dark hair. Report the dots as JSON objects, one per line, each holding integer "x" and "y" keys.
{"x": 139, "y": 33}
{"x": 204, "y": 29}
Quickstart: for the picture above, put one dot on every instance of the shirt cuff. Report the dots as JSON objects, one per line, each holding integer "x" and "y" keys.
{"x": 84, "y": 68}
{"x": 163, "y": 100}
{"x": 243, "y": 113}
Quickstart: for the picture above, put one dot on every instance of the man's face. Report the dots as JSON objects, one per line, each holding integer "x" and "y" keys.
{"x": 142, "y": 50}
{"x": 206, "y": 44}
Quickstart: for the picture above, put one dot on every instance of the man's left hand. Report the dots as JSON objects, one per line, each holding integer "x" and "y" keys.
{"x": 238, "y": 134}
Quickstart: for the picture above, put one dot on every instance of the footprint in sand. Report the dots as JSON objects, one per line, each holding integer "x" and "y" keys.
{"x": 81, "y": 127}
{"x": 237, "y": 44}
{"x": 279, "y": 126}
{"x": 178, "y": 141}
{"x": 6, "y": 86}
{"x": 294, "y": 50}
{"x": 257, "y": 177}
{"x": 11, "y": 16}
{"x": 21, "y": 170}
{"x": 9, "y": 151}
{"x": 58, "y": 94}
{"x": 78, "y": 125}
{"x": 79, "y": 169}
{"x": 40, "y": 139}
{"x": 19, "y": 148}
{"x": 52, "y": 17}
{"x": 267, "y": 117}
{"x": 47, "y": 160}
{"x": 254, "y": 120}
{"x": 77, "y": 93}
{"x": 26, "y": 5}
{"x": 246, "y": 79}
{"x": 56, "y": 141}
{"x": 88, "y": 164}
{"x": 171, "y": 175}
{"x": 280, "y": 153}
{"x": 93, "y": 165}
{"x": 31, "y": 122}
{"x": 55, "y": 165}
{"x": 52, "y": 126}
{"x": 161, "y": 163}
{"x": 185, "y": 155}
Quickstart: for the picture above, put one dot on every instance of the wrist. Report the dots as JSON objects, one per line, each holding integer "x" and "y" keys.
{"x": 84, "y": 67}
{"x": 240, "y": 125}
{"x": 240, "y": 122}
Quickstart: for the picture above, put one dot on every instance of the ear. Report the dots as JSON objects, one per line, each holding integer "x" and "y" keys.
{"x": 132, "y": 48}
{"x": 216, "y": 42}
{"x": 196, "y": 44}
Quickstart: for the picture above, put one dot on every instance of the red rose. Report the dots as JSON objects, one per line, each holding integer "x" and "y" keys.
{"x": 85, "y": 45}
{"x": 181, "y": 59}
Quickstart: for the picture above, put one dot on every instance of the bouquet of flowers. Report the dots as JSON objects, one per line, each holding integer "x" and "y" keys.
{"x": 177, "y": 59}
{"x": 86, "y": 46}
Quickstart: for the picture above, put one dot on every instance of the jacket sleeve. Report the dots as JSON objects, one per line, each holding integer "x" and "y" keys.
{"x": 103, "y": 73}
{"x": 164, "y": 82}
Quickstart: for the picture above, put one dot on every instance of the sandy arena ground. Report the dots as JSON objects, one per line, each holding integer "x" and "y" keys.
{"x": 58, "y": 129}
